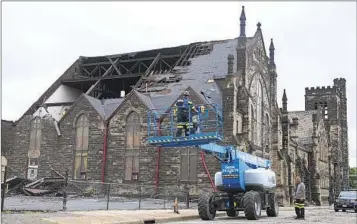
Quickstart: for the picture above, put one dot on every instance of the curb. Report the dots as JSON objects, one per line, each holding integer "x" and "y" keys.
{"x": 165, "y": 220}
{"x": 157, "y": 220}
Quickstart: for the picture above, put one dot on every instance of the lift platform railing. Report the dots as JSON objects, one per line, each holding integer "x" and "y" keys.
{"x": 174, "y": 123}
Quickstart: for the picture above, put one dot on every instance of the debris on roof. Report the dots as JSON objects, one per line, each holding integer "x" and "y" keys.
{"x": 197, "y": 75}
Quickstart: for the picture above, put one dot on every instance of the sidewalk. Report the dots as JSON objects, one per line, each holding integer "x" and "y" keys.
{"x": 127, "y": 217}
{"x": 136, "y": 216}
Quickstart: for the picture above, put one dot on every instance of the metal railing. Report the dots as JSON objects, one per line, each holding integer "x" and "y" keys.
{"x": 92, "y": 195}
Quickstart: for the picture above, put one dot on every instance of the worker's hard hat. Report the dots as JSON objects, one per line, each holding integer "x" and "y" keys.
{"x": 186, "y": 93}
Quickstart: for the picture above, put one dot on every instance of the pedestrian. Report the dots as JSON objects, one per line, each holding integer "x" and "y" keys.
{"x": 299, "y": 198}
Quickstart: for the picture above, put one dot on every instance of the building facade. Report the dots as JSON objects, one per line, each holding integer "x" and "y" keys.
{"x": 87, "y": 125}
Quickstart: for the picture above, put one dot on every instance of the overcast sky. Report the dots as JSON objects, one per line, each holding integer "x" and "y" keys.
{"x": 314, "y": 42}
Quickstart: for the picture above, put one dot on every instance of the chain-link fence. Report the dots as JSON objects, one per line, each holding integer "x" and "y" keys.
{"x": 90, "y": 195}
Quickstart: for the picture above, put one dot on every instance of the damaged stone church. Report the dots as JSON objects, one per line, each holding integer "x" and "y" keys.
{"x": 92, "y": 119}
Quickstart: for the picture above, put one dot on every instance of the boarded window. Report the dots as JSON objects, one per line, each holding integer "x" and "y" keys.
{"x": 132, "y": 147}
{"x": 34, "y": 148}
{"x": 81, "y": 154}
{"x": 252, "y": 124}
{"x": 259, "y": 114}
{"x": 267, "y": 132}
{"x": 35, "y": 138}
{"x": 189, "y": 165}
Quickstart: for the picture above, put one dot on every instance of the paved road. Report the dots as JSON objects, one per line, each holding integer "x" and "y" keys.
{"x": 286, "y": 217}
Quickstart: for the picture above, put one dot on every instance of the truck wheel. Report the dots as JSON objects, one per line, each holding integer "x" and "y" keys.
{"x": 205, "y": 209}
{"x": 252, "y": 205}
{"x": 273, "y": 209}
{"x": 232, "y": 213}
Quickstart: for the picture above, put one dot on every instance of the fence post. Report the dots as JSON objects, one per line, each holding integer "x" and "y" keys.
{"x": 64, "y": 191}
{"x": 164, "y": 198}
{"x": 188, "y": 199}
{"x": 108, "y": 193}
{"x": 3, "y": 190}
{"x": 140, "y": 197}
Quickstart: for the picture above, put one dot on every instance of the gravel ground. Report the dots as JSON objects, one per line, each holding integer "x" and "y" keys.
{"x": 286, "y": 217}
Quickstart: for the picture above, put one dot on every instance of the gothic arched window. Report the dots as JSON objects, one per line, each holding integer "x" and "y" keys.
{"x": 259, "y": 113}
{"x": 132, "y": 147}
{"x": 267, "y": 129}
{"x": 34, "y": 147}
{"x": 252, "y": 124}
{"x": 81, "y": 154}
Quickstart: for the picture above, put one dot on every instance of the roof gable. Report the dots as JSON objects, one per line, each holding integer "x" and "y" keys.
{"x": 96, "y": 104}
{"x": 145, "y": 100}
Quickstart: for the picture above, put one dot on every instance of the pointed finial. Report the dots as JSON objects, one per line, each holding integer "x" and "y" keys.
{"x": 284, "y": 96}
{"x": 271, "y": 52}
{"x": 242, "y": 15}
{"x": 242, "y": 23}
{"x": 271, "y": 47}
{"x": 259, "y": 25}
{"x": 285, "y": 102}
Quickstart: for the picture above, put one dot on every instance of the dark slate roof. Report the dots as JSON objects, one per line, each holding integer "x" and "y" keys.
{"x": 97, "y": 104}
{"x": 110, "y": 105}
{"x": 146, "y": 99}
{"x": 105, "y": 108}
{"x": 305, "y": 127}
{"x": 196, "y": 75}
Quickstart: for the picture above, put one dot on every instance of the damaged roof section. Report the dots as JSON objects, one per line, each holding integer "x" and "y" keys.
{"x": 305, "y": 127}
{"x": 59, "y": 102}
{"x": 199, "y": 75}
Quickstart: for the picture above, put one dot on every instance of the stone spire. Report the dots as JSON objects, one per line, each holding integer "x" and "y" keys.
{"x": 285, "y": 102}
{"x": 271, "y": 52}
{"x": 242, "y": 23}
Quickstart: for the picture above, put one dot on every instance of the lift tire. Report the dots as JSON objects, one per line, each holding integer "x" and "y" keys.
{"x": 273, "y": 209}
{"x": 232, "y": 213}
{"x": 205, "y": 210}
{"x": 252, "y": 205}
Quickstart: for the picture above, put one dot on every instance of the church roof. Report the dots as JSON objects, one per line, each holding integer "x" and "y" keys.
{"x": 198, "y": 74}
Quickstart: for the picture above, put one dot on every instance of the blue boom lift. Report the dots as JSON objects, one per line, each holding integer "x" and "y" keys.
{"x": 245, "y": 182}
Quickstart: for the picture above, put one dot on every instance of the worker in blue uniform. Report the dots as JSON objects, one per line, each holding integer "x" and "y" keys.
{"x": 183, "y": 111}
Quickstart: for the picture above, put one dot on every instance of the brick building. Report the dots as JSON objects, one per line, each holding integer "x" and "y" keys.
{"x": 92, "y": 120}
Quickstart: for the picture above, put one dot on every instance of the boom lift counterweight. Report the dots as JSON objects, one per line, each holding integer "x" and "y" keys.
{"x": 245, "y": 182}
